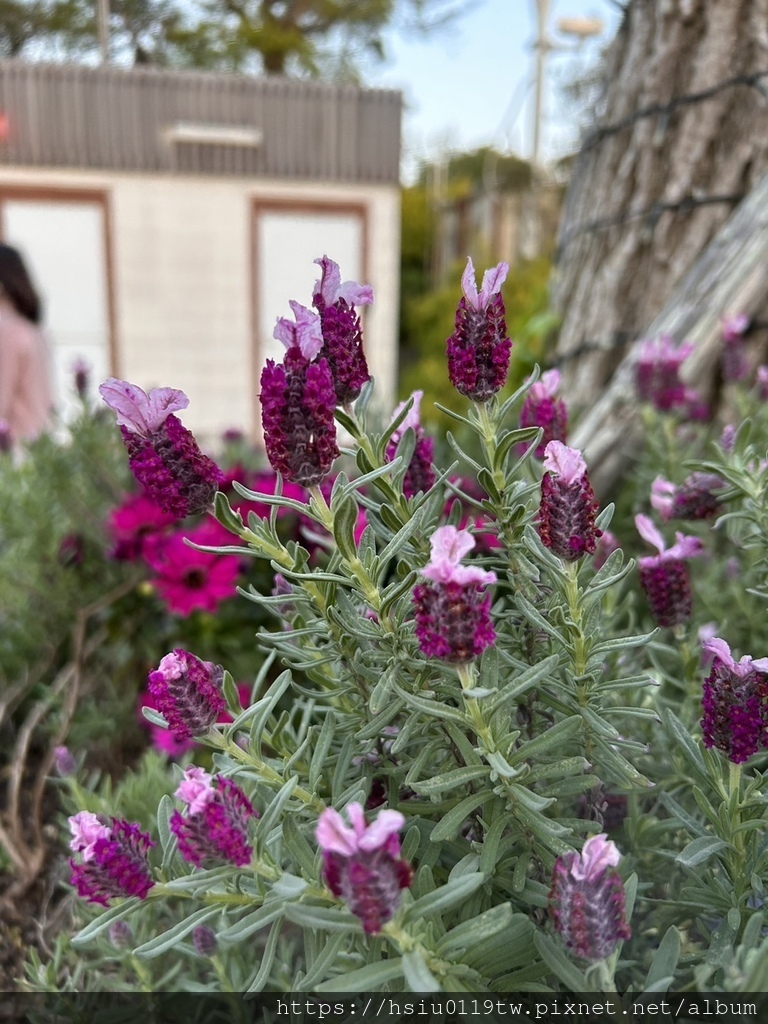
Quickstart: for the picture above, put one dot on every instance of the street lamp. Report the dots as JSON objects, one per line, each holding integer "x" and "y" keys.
{"x": 102, "y": 25}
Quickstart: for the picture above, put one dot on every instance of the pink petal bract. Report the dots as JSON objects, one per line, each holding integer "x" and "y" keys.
{"x": 597, "y": 854}
{"x": 331, "y": 288}
{"x": 140, "y": 412}
{"x": 566, "y": 463}
{"x": 304, "y": 333}
{"x": 333, "y": 836}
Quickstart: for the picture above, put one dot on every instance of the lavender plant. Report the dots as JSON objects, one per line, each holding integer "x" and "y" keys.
{"x": 473, "y": 693}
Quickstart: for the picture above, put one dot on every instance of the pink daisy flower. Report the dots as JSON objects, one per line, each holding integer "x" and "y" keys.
{"x": 187, "y": 579}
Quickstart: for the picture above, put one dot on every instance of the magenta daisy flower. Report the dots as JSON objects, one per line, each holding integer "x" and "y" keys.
{"x": 133, "y": 523}
{"x": 188, "y": 580}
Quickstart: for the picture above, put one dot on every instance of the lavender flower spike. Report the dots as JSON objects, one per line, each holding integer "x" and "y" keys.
{"x": 568, "y": 506}
{"x": 587, "y": 900}
{"x": 163, "y": 454}
{"x": 664, "y": 577}
{"x": 113, "y": 861}
{"x": 542, "y": 408}
{"x": 735, "y": 703}
{"x": 733, "y": 356}
{"x": 453, "y": 610}
{"x": 215, "y": 826}
{"x": 697, "y": 497}
{"x": 657, "y": 373}
{"x": 478, "y": 350}
{"x": 420, "y": 475}
{"x": 342, "y": 334}
{"x": 187, "y": 692}
{"x": 297, "y": 402}
{"x": 362, "y": 864}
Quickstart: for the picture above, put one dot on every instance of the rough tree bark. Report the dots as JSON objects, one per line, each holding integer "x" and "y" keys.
{"x": 649, "y": 192}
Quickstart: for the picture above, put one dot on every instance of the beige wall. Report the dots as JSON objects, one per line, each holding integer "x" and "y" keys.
{"x": 181, "y": 270}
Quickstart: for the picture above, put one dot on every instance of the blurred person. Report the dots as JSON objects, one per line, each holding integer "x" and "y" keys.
{"x": 25, "y": 386}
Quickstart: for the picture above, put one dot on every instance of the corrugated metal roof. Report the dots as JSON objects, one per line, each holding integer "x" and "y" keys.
{"x": 124, "y": 119}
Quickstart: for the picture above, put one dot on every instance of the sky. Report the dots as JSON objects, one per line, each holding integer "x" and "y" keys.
{"x": 471, "y": 84}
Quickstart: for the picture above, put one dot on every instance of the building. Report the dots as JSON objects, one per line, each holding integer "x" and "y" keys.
{"x": 168, "y": 217}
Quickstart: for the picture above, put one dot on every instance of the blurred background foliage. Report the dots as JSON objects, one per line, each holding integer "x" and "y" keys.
{"x": 430, "y": 294}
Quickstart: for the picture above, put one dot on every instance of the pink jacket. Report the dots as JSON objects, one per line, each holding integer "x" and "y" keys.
{"x": 25, "y": 387}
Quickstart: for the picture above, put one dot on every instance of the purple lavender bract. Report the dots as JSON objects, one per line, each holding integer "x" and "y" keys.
{"x": 297, "y": 403}
{"x": 420, "y": 475}
{"x": 478, "y": 350}
{"x": 452, "y": 608}
{"x": 215, "y": 826}
{"x": 114, "y": 858}
{"x": 664, "y": 577}
{"x": 187, "y": 692}
{"x": 362, "y": 864}
{"x": 587, "y": 900}
{"x": 542, "y": 408}
{"x": 735, "y": 703}
{"x": 163, "y": 455}
{"x": 568, "y": 509}
{"x": 342, "y": 334}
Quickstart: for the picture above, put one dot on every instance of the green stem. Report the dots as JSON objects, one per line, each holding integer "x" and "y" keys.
{"x": 489, "y": 429}
{"x": 358, "y": 571}
{"x": 267, "y": 772}
{"x": 579, "y": 660}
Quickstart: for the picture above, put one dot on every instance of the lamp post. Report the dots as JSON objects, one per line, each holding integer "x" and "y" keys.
{"x": 581, "y": 29}
{"x": 102, "y": 25}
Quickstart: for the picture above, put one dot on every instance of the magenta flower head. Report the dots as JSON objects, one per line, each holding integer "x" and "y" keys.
{"x": 162, "y": 453}
{"x": 342, "y": 335}
{"x": 133, "y": 523}
{"x": 6, "y": 437}
{"x": 568, "y": 506}
{"x": 420, "y": 475}
{"x": 453, "y": 609}
{"x": 478, "y": 350}
{"x": 187, "y": 692}
{"x": 587, "y": 900}
{"x": 65, "y": 763}
{"x": 735, "y": 703}
{"x": 81, "y": 373}
{"x": 187, "y": 579}
{"x": 542, "y": 408}
{"x": 607, "y": 543}
{"x": 697, "y": 497}
{"x": 761, "y": 378}
{"x": 362, "y": 864}
{"x": 665, "y": 577}
{"x": 657, "y": 374}
{"x": 733, "y": 358}
{"x": 215, "y": 826}
{"x": 297, "y": 403}
{"x": 113, "y": 858}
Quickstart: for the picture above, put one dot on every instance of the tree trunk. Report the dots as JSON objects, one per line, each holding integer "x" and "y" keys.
{"x": 681, "y": 138}
{"x": 734, "y": 266}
